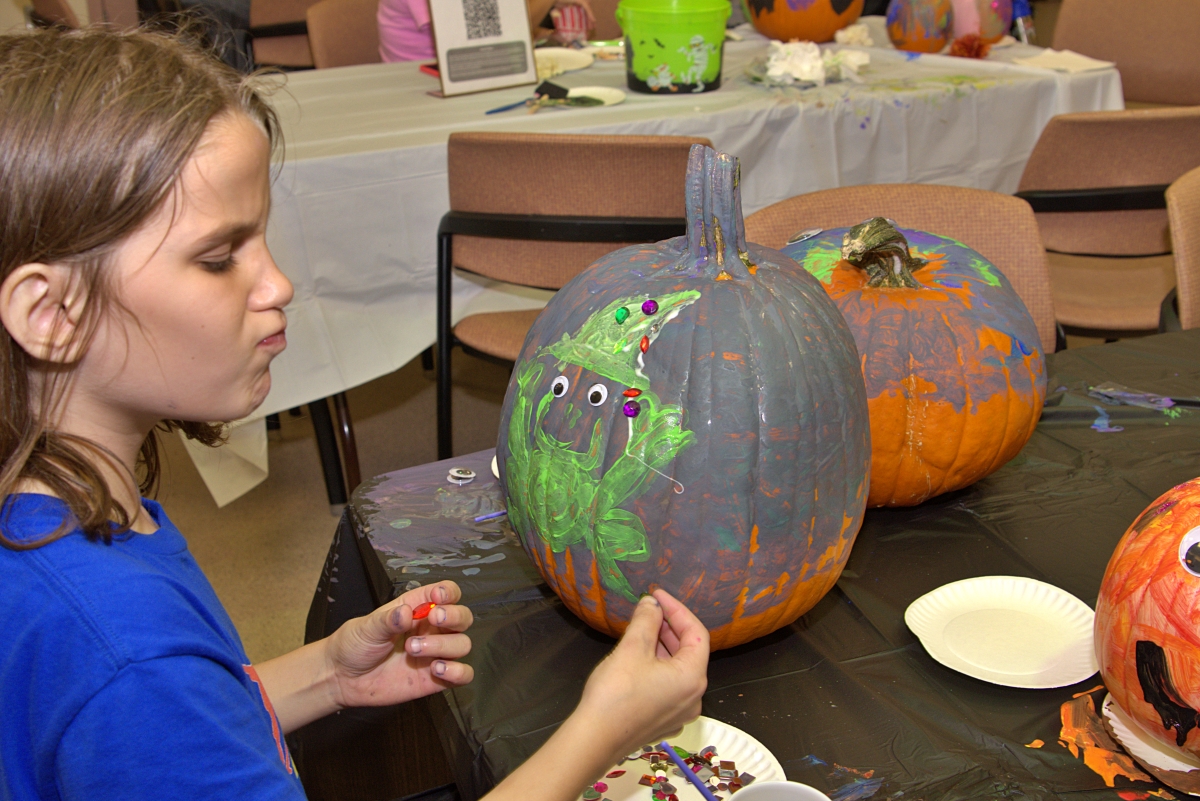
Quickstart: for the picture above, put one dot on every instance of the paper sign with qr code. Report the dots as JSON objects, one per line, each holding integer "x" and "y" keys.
{"x": 482, "y": 44}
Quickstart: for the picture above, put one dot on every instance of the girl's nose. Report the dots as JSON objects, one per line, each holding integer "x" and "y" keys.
{"x": 274, "y": 290}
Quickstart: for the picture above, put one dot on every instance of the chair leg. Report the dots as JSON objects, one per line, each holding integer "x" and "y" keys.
{"x": 331, "y": 465}
{"x": 445, "y": 342}
{"x": 349, "y": 445}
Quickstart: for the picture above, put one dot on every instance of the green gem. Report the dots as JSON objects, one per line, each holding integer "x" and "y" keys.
{"x": 622, "y": 315}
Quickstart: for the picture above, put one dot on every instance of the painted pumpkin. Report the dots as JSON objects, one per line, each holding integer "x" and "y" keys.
{"x": 952, "y": 360}
{"x": 920, "y": 26}
{"x": 995, "y": 19}
{"x": 811, "y": 20}
{"x": 689, "y": 415}
{"x": 1148, "y": 619}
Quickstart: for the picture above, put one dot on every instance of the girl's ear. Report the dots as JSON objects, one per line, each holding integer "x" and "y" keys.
{"x": 41, "y": 306}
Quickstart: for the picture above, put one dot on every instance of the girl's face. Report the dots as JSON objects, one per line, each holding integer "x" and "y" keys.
{"x": 204, "y": 299}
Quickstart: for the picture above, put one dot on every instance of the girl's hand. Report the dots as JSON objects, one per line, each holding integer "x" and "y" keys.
{"x": 652, "y": 682}
{"x": 370, "y": 670}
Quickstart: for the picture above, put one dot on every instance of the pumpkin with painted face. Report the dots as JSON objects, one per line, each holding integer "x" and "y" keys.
{"x": 811, "y": 20}
{"x": 689, "y": 415}
{"x": 1148, "y": 620}
{"x": 951, "y": 357}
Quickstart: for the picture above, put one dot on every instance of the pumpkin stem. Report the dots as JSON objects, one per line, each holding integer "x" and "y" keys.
{"x": 877, "y": 247}
{"x": 716, "y": 233}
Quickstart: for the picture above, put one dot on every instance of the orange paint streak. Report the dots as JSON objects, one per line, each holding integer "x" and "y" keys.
{"x": 753, "y": 541}
{"x": 1035, "y": 744}
{"x": 723, "y": 276}
{"x": 1082, "y": 731}
{"x": 733, "y": 357}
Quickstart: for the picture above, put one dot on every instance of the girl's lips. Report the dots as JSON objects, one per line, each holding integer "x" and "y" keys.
{"x": 276, "y": 342}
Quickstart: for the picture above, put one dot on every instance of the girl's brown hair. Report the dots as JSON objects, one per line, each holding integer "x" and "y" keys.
{"x": 95, "y": 129}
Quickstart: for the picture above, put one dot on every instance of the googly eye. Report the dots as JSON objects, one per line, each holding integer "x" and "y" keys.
{"x": 598, "y": 394}
{"x": 1189, "y": 551}
{"x": 560, "y": 386}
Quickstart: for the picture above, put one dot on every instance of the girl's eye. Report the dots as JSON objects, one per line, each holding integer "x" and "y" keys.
{"x": 560, "y": 386}
{"x": 598, "y": 394}
{"x": 221, "y": 266}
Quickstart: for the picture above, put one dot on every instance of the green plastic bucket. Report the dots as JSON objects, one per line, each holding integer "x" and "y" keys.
{"x": 673, "y": 46}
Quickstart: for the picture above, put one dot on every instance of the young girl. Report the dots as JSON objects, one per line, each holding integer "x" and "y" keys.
{"x": 137, "y": 292}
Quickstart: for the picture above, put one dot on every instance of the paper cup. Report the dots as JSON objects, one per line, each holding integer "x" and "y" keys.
{"x": 780, "y": 791}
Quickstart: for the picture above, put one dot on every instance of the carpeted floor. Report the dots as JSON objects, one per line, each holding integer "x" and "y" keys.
{"x": 264, "y": 552}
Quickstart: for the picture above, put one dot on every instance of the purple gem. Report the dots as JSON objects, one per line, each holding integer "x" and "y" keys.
{"x": 632, "y": 408}
{"x": 650, "y": 307}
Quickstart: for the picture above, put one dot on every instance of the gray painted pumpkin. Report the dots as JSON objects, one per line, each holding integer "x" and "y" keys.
{"x": 689, "y": 415}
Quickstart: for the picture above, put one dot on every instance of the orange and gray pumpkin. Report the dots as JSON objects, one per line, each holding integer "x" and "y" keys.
{"x": 952, "y": 360}
{"x": 1148, "y": 620}
{"x": 689, "y": 415}
{"x": 811, "y": 20}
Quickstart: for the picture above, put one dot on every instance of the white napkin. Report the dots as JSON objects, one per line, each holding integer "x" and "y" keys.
{"x": 233, "y": 469}
{"x": 1063, "y": 61}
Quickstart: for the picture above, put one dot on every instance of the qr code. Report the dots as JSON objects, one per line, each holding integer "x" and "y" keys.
{"x": 483, "y": 18}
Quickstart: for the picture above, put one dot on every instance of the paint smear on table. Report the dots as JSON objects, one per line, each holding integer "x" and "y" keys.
{"x": 1083, "y": 734}
{"x": 852, "y": 784}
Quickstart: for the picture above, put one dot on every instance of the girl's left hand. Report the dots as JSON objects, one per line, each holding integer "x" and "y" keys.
{"x": 370, "y": 670}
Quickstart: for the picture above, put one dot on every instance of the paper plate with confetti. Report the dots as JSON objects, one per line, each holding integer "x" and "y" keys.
{"x": 724, "y": 757}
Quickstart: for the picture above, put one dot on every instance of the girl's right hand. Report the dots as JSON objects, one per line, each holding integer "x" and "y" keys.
{"x": 652, "y": 682}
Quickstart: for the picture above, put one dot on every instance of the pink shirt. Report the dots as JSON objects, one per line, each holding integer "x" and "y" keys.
{"x": 404, "y": 30}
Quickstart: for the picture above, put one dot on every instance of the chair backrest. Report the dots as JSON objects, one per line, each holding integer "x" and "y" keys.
{"x": 342, "y": 33}
{"x": 1109, "y": 149}
{"x": 580, "y": 175}
{"x": 1183, "y": 208}
{"x": 56, "y": 12}
{"x": 1152, "y": 42}
{"x": 122, "y": 14}
{"x": 280, "y": 50}
{"x": 1000, "y": 227}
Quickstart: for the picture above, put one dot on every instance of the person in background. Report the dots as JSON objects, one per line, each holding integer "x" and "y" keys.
{"x": 406, "y": 33}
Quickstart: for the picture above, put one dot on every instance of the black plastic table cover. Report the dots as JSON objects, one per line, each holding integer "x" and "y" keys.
{"x": 846, "y": 698}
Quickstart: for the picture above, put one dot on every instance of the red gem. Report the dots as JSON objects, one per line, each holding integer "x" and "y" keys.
{"x": 647, "y": 780}
{"x": 422, "y": 611}
{"x": 600, "y": 787}
{"x": 614, "y": 774}
{"x": 632, "y": 393}
{"x": 644, "y": 344}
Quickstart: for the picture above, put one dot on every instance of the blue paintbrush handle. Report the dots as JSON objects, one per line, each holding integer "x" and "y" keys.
{"x": 687, "y": 772}
{"x": 509, "y": 107}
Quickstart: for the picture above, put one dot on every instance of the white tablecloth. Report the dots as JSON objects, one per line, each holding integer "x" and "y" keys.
{"x": 357, "y": 201}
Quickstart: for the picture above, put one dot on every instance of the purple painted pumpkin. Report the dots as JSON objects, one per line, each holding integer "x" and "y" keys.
{"x": 920, "y": 26}
{"x": 689, "y": 415}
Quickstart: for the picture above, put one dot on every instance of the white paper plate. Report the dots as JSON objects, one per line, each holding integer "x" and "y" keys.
{"x": 608, "y": 94}
{"x": 495, "y": 468}
{"x": 731, "y": 744}
{"x": 1007, "y": 630}
{"x": 1143, "y": 746}
{"x": 553, "y": 61}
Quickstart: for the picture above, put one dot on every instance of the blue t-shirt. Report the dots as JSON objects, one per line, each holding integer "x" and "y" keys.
{"x": 121, "y": 675}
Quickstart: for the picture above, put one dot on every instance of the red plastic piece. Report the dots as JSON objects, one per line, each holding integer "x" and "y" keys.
{"x": 632, "y": 392}
{"x": 422, "y": 611}
{"x": 644, "y": 345}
